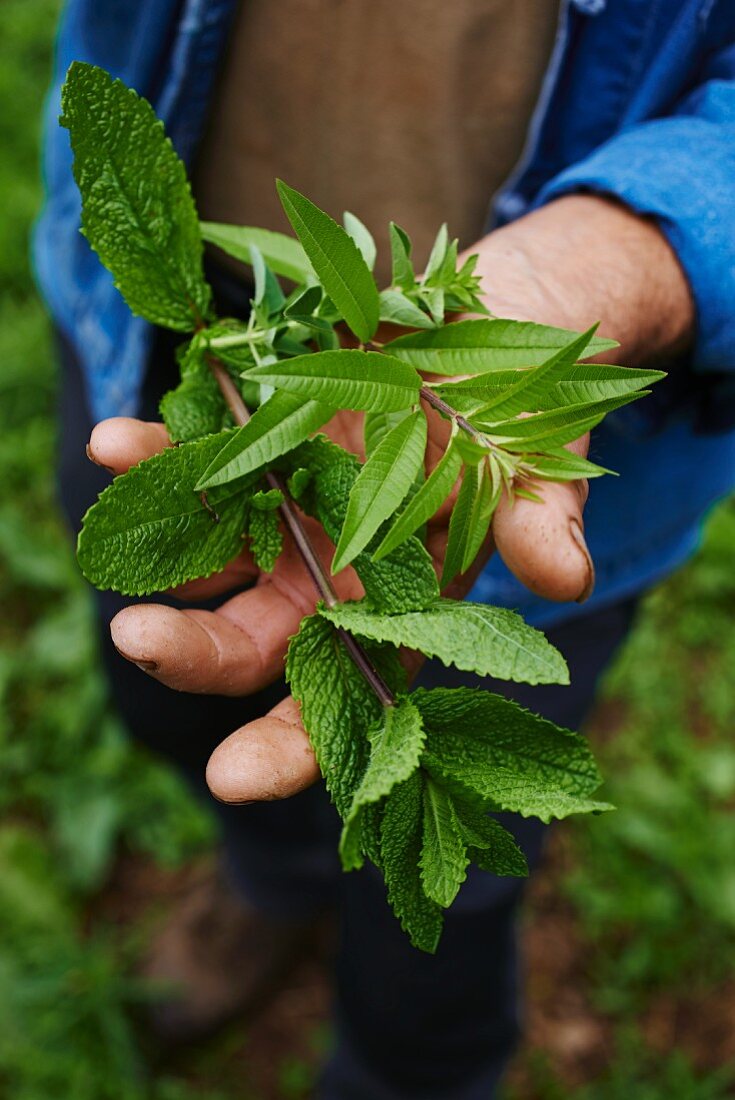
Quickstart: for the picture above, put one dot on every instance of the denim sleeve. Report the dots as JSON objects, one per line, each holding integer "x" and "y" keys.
{"x": 680, "y": 169}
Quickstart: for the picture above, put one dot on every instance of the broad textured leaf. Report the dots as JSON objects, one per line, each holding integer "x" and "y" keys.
{"x": 553, "y": 428}
{"x": 137, "y": 209}
{"x": 396, "y": 743}
{"x": 403, "y": 581}
{"x": 193, "y": 409}
{"x": 444, "y": 856}
{"x": 400, "y": 249}
{"x": 266, "y": 538}
{"x": 348, "y": 379}
{"x": 496, "y": 750}
{"x": 381, "y": 486}
{"x": 485, "y": 344}
{"x": 425, "y": 503}
{"x": 362, "y": 237}
{"x": 283, "y": 254}
{"x": 400, "y": 851}
{"x": 576, "y": 384}
{"x": 400, "y": 310}
{"x": 337, "y": 706}
{"x": 337, "y": 261}
{"x": 281, "y": 424}
{"x": 491, "y": 846}
{"x": 150, "y": 530}
{"x": 474, "y": 637}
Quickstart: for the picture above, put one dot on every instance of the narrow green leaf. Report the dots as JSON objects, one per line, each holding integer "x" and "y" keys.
{"x": 470, "y": 520}
{"x": 490, "y": 747}
{"x": 283, "y": 254}
{"x": 437, "y": 255}
{"x": 553, "y": 428}
{"x": 444, "y": 856}
{"x": 403, "y": 581}
{"x": 137, "y": 209}
{"x": 397, "y": 309}
{"x": 348, "y": 379}
{"x": 402, "y": 275}
{"x": 381, "y": 486}
{"x": 474, "y": 637}
{"x": 279, "y": 425}
{"x": 401, "y": 845}
{"x": 268, "y": 293}
{"x": 362, "y": 237}
{"x": 576, "y": 384}
{"x": 564, "y": 466}
{"x": 337, "y": 261}
{"x": 485, "y": 344}
{"x": 377, "y": 425}
{"x": 337, "y": 706}
{"x": 427, "y": 501}
{"x": 396, "y": 743}
{"x": 150, "y": 530}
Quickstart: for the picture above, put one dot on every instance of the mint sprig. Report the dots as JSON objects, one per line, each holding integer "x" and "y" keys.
{"x": 415, "y": 776}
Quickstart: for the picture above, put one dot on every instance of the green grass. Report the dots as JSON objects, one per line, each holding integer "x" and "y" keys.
{"x": 652, "y": 886}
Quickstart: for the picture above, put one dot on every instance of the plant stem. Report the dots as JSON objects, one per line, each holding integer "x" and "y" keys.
{"x": 310, "y": 558}
{"x": 437, "y": 403}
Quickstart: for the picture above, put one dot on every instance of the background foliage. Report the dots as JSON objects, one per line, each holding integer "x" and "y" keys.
{"x": 631, "y": 930}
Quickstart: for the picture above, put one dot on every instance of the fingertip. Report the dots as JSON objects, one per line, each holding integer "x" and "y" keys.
{"x": 121, "y": 442}
{"x": 168, "y": 644}
{"x": 266, "y": 760}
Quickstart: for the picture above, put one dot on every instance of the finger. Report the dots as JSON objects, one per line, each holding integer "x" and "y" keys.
{"x": 235, "y": 574}
{"x": 235, "y": 650}
{"x": 121, "y": 442}
{"x": 267, "y": 759}
{"x": 543, "y": 544}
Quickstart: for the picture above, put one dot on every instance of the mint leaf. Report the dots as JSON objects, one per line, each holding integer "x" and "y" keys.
{"x": 137, "y": 209}
{"x": 266, "y": 537}
{"x": 427, "y": 501}
{"x": 362, "y": 237}
{"x": 396, "y": 742}
{"x": 195, "y": 408}
{"x": 279, "y": 425}
{"x": 347, "y": 378}
{"x": 492, "y": 748}
{"x": 337, "y": 261}
{"x": 337, "y": 706}
{"x": 150, "y": 530}
{"x": 381, "y": 486}
{"x": 284, "y": 255}
{"x": 474, "y": 637}
{"x": 444, "y": 856}
{"x": 485, "y": 344}
{"x": 400, "y": 854}
{"x": 403, "y": 581}
{"x": 491, "y": 847}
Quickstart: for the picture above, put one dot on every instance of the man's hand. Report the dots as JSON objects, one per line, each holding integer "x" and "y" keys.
{"x": 576, "y": 261}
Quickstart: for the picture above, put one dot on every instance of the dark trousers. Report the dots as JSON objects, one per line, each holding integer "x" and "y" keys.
{"x": 408, "y": 1025}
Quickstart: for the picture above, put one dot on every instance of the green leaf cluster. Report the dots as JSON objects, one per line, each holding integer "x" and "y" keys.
{"x": 417, "y": 778}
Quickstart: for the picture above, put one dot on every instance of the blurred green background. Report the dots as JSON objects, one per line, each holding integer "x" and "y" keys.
{"x": 631, "y": 927}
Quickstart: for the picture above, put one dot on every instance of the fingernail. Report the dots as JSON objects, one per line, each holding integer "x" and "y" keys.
{"x": 91, "y": 458}
{"x": 144, "y": 666}
{"x": 575, "y": 530}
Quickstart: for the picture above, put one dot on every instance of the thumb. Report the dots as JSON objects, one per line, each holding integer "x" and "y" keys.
{"x": 543, "y": 544}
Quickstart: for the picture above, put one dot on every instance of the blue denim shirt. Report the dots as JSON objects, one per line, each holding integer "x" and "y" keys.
{"x": 638, "y": 102}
